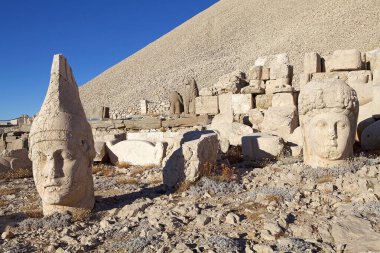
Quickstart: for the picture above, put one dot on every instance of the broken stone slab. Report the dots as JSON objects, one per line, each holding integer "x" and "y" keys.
{"x": 187, "y": 162}
{"x": 255, "y": 118}
{"x": 278, "y": 86}
{"x": 278, "y": 71}
{"x": 201, "y": 120}
{"x": 101, "y": 152}
{"x": 345, "y": 60}
{"x": 260, "y": 146}
{"x": 230, "y": 134}
{"x": 225, "y": 104}
{"x": 270, "y": 60}
{"x": 241, "y": 103}
{"x": 206, "y": 92}
{"x": 354, "y": 234}
{"x": 252, "y": 90}
{"x": 254, "y": 73}
{"x": 149, "y": 123}
{"x": 230, "y": 83}
{"x": 136, "y": 152}
{"x": 280, "y": 121}
{"x": 17, "y": 158}
{"x": 370, "y": 139}
{"x": 264, "y": 101}
{"x": 312, "y": 63}
{"x": 206, "y": 105}
{"x": 283, "y": 99}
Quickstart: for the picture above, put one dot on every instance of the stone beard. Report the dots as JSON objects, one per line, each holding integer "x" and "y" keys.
{"x": 328, "y": 115}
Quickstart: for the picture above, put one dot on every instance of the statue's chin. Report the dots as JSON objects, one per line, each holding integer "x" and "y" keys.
{"x": 60, "y": 197}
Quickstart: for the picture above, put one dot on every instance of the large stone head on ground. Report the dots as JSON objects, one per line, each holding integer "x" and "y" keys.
{"x": 62, "y": 147}
{"x": 328, "y": 112}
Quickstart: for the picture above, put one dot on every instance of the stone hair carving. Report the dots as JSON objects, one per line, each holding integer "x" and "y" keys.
{"x": 176, "y": 103}
{"x": 62, "y": 147}
{"x": 191, "y": 92}
{"x": 328, "y": 112}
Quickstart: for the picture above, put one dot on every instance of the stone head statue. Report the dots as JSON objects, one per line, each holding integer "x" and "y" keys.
{"x": 61, "y": 146}
{"x": 328, "y": 112}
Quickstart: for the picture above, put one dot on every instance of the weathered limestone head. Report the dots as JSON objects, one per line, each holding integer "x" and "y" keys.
{"x": 328, "y": 112}
{"x": 61, "y": 146}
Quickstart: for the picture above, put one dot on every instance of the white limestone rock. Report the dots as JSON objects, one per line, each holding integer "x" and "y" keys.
{"x": 280, "y": 121}
{"x": 136, "y": 152}
{"x": 260, "y": 146}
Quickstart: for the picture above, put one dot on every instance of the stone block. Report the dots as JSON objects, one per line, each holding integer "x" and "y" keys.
{"x": 270, "y": 60}
{"x": 206, "y": 92}
{"x": 143, "y": 107}
{"x": 364, "y": 91}
{"x": 206, "y": 105}
{"x": 329, "y": 75}
{"x": 186, "y": 163}
{"x": 148, "y": 123}
{"x": 17, "y": 144}
{"x": 230, "y": 134}
{"x": 280, "y": 71}
{"x": 252, "y": 90}
{"x": 279, "y": 85}
{"x": 312, "y": 63}
{"x": 283, "y": 99}
{"x": 373, "y": 59}
{"x": 264, "y": 101}
{"x": 241, "y": 103}
{"x": 101, "y": 152}
{"x": 376, "y": 76}
{"x": 360, "y": 76}
{"x": 262, "y": 146}
{"x": 265, "y": 73}
{"x": 346, "y": 60}
{"x": 202, "y": 120}
{"x": 280, "y": 121}
{"x": 136, "y": 152}
{"x": 254, "y": 73}
{"x": 230, "y": 83}
{"x": 225, "y": 103}
{"x": 304, "y": 79}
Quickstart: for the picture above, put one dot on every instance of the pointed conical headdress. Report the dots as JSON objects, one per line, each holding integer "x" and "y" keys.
{"x": 61, "y": 117}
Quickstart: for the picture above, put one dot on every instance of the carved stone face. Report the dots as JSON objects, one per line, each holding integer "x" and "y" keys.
{"x": 328, "y": 137}
{"x": 62, "y": 173}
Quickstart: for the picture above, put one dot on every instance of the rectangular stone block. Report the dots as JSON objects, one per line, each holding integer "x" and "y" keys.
{"x": 265, "y": 73}
{"x": 206, "y": 92}
{"x": 346, "y": 60}
{"x": 312, "y": 63}
{"x": 151, "y": 123}
{"x": 283, "y": 99}
{"x": 206, "y": 105}
{"x": 202, "y": 120}
{"x": 241, "y": 103}
{"x": 360, "y": 76}
{"x": 143, "y": 107}
{"x": 262, "y": 146}
{"x": 278, "y": 85}
{"x": 280, "y": 71}
{"x": 304, "y": 78}
{"x": 254, "y": 73}
{"x": 328, "y": 75}
{"x": 263, "y": 101}
{"x": 225, "y": 103}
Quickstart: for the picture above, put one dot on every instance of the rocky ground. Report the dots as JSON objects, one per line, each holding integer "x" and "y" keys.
{"x": 273, "y": 207}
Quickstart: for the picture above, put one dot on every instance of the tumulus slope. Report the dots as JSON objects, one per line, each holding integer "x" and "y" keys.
{"x": 230, "y": 35}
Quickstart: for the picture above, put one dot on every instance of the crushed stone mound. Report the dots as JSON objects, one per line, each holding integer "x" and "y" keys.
{"x": 230, "y": 35}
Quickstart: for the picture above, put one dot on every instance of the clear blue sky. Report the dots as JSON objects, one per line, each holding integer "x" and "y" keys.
{"x": 93, "y": 35}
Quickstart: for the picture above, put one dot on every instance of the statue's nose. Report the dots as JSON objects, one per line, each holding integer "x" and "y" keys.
{"x": 53, "y": 168}
{"x": 332, "y": 133}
